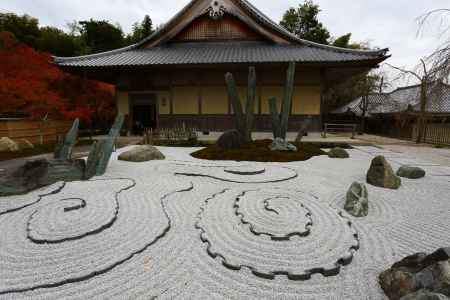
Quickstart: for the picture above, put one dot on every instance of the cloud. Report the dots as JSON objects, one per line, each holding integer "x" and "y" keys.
{"x": 384, "y": 23}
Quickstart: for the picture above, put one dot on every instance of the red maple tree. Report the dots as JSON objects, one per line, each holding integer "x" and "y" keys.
{"x": 30, "y": 83}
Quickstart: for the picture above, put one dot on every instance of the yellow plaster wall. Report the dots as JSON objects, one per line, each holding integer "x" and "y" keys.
{"x": 306, "y": 100}
{"x": 122, "y": 99}
{"x": 214, "y": 100}
{"x": 164, "y": 103}
{"x": 270, "y": 92}
{"x": 185, "y": 100}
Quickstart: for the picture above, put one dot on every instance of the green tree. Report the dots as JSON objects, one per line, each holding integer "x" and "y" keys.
{"x": 25, "y": 28}
{"x": 59, "y": 43}
{"x": 344, "y": 42}
{"x": 304, "y": 23}
{"x": 100, "y": 36}
{"x": 140, "y": 30}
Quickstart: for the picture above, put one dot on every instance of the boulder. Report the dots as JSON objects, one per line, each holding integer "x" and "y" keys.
{"x": 338, "y": 152}
{"x": 282, "y": 145}
{"x": 411, "y": 172}
{"x": 39, "y": 173}
{"x": 429, "y": 273}
{"x": 357, "y": 203}
{"x": 232, "y": 139}
{"x": 381, "y": 174}
{"x": 142, "y": 154}
{"x": 425, "y": 295}
{"x": 6, "y": 144}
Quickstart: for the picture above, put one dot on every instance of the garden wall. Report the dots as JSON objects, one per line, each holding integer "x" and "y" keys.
{"x": 34, "y": 131}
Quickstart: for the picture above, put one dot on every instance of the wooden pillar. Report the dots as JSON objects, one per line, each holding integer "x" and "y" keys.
{"x": 323, "y": 79}
{"x": 170, "y": 94}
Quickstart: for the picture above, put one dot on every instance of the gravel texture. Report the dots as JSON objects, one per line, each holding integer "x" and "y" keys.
{"x": 190, "y": 229}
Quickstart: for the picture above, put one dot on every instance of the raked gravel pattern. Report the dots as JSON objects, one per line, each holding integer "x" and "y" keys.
{"x": 185, "y": 228}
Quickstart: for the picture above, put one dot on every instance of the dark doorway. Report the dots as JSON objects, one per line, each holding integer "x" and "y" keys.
{"x": 144, "y": 113}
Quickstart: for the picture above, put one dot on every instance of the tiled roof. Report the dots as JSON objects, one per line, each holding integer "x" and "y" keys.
{"x": 402, "y": 100}
{"x": 204, "y": 53}
{"x": 213, "y": 53}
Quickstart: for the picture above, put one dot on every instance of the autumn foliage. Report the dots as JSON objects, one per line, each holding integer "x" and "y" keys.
{"x": 30, "y": 83}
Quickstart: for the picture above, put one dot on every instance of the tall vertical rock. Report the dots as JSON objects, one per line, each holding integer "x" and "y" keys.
{"x": 64, "y": 150}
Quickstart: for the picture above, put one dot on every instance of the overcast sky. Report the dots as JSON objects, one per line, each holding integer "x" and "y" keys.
{"x": 384, "y": 23}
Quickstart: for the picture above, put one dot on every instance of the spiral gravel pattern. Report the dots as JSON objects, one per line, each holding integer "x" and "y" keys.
{"x": 330, "y": 245}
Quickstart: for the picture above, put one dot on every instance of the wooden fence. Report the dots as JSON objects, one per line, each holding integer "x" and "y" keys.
{"x": 435, "y": 134}
{"x": 36, "y": 132}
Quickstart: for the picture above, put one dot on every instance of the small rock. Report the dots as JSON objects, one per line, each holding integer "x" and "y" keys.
{"x": 381, "y": 174}
{"x": 25, "y": 144}
{"x": 6, "y": 144}
{"x": 338, "y": 152}
{"x": 411, "y": 172}
{"x": 424, "y": 295}
{"x": 357, "y": 203}
{"x": 282, "y": 145}
{"x": 142, "y": 154}
{"x": 230, "y": 140}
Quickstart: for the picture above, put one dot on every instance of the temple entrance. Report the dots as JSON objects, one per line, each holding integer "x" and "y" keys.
{"x": 144, "y": 113}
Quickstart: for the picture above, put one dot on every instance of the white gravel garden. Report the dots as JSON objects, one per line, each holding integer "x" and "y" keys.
{"x": 184, "y": 228}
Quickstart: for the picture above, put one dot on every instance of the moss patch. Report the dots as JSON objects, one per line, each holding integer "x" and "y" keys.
{"x": 259, "y": 151}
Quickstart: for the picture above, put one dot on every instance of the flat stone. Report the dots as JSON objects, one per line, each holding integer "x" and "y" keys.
{"x": 411, "y": 172}
{"x": 338, "y": 152}
{"x": 357, "y": 202}
{"x": 142, "y": 154}
{"x": 250, "y": 170}
{"x": 381, "y": 174}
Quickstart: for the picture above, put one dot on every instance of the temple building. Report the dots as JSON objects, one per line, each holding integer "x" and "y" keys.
{"x": 176, "y": 75}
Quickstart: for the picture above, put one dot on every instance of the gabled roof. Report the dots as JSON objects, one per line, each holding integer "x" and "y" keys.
{"x": 281, "y": 45}
{"x": 402, "y": 100}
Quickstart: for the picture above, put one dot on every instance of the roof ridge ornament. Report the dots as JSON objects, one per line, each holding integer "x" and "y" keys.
{"x": 216, "y": 9}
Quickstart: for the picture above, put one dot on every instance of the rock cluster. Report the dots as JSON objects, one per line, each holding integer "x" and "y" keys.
{"x": 338, "y": 152}
{"x": 411, "y": 172}
{"x": 419, "y": 276}
{"x": 357, "y": 203}
{"x": 280, "y": 144}
{"x": 381, "y": 174}
{"x": 142, "y": 154}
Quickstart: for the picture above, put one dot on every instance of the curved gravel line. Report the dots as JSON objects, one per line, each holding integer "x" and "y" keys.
{"x": 110, "y": 267}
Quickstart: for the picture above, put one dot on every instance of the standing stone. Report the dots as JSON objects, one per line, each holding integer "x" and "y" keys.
{"x": 303, "y": 129}
{"x": 381, "y": 174}
{"x": 357, "y": 203}
{"x": 338, "y": 152}
{"x": 411, "y": 172}
{"x": 6, "y": 144}
{"x": 101, "y": 151}
{"x": 64, "y": 150}
{"x": 142, "y": 154}
{"x": 280, "y": 144}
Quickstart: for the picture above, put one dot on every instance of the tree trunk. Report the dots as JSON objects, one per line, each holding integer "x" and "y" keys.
{"x": 421, "y": 118}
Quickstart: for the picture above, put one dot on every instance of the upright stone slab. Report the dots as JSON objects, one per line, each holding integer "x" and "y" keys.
{"x": 381, "y": 174}
{"x": 64, "y": 150}
{"x": 357, "y": 203}
{"x": 101, "y": 151}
